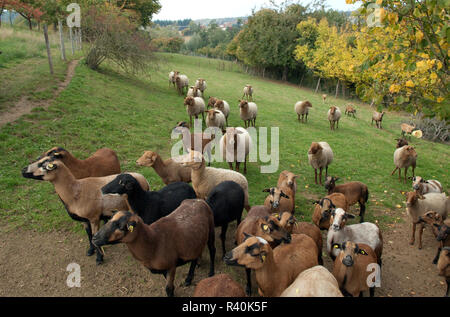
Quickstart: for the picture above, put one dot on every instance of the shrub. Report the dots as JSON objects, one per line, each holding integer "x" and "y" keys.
{"x": 432, "y": 128}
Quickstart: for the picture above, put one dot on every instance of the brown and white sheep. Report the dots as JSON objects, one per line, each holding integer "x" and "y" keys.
{"x": 350, "y": 110}
{"x": 377, "y": 117}
{"x": 404, "y": 157}
{"x": 422, "y": 186}
{"x": 194, "y": 107}
{"x": 322, "y": 211}
{"x": 235, "y": 146}
{"x": 223, "y": 106}
{"x": 302, "y": 110}
{"x": 248, "y": 92}
{"x": 182, "y": 81}
{"x": 215, "y": 118}
{"x": 320, "y": 156}
{"x": 248, "y": 113}
{"x": 201, "y": 84}
{"x": 334, "y": 115}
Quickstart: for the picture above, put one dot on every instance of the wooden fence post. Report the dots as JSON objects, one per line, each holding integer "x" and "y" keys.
{"x": 61, "y": 40}
{"x": 47, "y": 43}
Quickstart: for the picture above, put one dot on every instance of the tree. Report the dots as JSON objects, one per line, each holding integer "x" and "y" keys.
{"x": 139, "y": 11}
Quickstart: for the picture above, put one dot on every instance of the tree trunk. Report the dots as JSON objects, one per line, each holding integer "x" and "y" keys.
{"x": 29, "y": 24}
{"x": 343, "y": 89}
{"x": 10, "y": 17}
{"x": 284, "y": 76}
{"x": 318, "y": 84}
{"x": 47, "y": 43}
{"x": 337, "y": 89}
{"x": 301, "y": 80}
{"x": 264, "y": 72}
{"x": 61, "y": 40}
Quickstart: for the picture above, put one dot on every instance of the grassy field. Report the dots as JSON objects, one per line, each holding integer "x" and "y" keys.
{"x": 134, "y": 114}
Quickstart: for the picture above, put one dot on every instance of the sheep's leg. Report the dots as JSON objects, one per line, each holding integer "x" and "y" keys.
{"x": 320, "y": 176}
{"x": 223, "y": 235}
{"x": 362, "y": 210}
{"x": 254, "y": 122}
{"x": 315, "y": 175}
{"x": 372, "y": 291}
{"x": 436, "y": 258}
{"x": 230, "y": 165}
{"x": 87, "y": 227}
{"x": 248, "y": 289}
{"x": 421, "y": 228}
{"x": 169, "y": 284}
{"x": 326, "y": 172}
{"x": 448, "y": 286}
{"x": 212, "y": 249}
{"x": 299, "y": 117}
{"x": 399, "y": 174}
{"x": 245, "y": 165}
{"x": 94, "y": 229}
{"x": 395, "y": 169}
{"x": 237, "y": 166}
{"x": 413, "y": 168}
{"x": 306, "y": 118}
{"x": 406, "y": 171}
{"x": 191, "y": 272}
{"x": 413, "y": 235}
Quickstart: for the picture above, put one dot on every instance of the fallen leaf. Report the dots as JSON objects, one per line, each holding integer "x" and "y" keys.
{"x": 398, "y": 206}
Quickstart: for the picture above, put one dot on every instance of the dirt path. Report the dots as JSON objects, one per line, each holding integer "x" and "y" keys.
{"x": 34, "y": 264}
{"x": 24, "y": 105}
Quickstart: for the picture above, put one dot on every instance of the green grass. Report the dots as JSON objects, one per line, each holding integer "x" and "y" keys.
{"x": 131, "y": 115}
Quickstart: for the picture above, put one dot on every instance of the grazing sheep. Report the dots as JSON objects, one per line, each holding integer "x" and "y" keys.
{"x": 204, "y": 179}
{"x": 223, "y": 106}
{"x": 149, "y": 205}
{"x": 275, "y": 269}
{"x": 355, "y": 192}
{"x": 365, "y": 232}
{"x": 404, "y": 157}
{"x": 401, "y": 143}
{"x": 377, "y": 117}
{"x": 334, "y": 115}
{"x": 194, "y": 107}
{"x": 201, "y": 84}
{"x": 194, "y": 92}
{"x": 82, "y": 198}
{"x": 350, "y": 110}
{"x": 235, "y": 146}
{"x": 199, "y": 142}
{"x": 169, "y": 170}
{"x": 320, "y": 156}
{"x": 220, "y": 285}
{"x": 302, "y": 110}
{"x": 182, "y": 81}
{"x": 351, "y": 267}
{"x": 167, "y": 243}
{"x": 248, "y": 112}
{"x": 444, "y": 267}
{"x": 103, "y": 162}
{"x": 416, "y": 207}
{"x": 290, "y": 224}
{"x": 324, "y": 207}
{"x": 407, "y": 129}
{"x": 215, "y": 118}
{"x": 422, "y": 186}
{"x": 324, "y": 98}
{"x": 248, "y": 92}
{"x": 227, "y": 202}
{"x": 172, "y": 77}
{"x": 440, "y": 230}
{"x": 314, "y": 282}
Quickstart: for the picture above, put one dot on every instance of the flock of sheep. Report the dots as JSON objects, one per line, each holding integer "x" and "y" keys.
{"x": 171, "y": 227}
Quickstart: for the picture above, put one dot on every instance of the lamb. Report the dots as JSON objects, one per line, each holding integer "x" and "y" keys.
{"x": 103, "y": 162}
{"x": 226, "y": 201}
{"x": 288, "y": 182}
{"x": 82, "y": 198}
{"x": 355, "y": 192}
{"x": 352, "y": 267}
{"x": 290, "y": 224}
{"x": 223, "y": 106}
{"x": 401, "y": 143}
{"x": 248, "y": 92}
{"x": 169, "y": 170}
{"x": 314, "y": 282}
{"x": 407, "y": 129}
{"x": 215, "y": 118}
{"x": 416, "y": 207}
{"x": 172, "y": 75}
{"x": 220, "y": 285}
{"x": 194, "y": 92}
{"x": 444, "y": 267}
{"x": 194, "y": 107}
{"x": 182, "y": 81}
{"x": 378, "y": 118}
{"x": 248, "y": 113}
{"x": 404, "y": 157}
{"x": 350, "y": 110}
{"x": 422, "y": 186}
{"x": 302, "y": 110}
{"x": 334, "y": 115}
{"x": 259, "y": 223}
{"x": 324, "y": 207}
{"x": 149, "y": 205}
{"x": 167, "y": 243}
{"x": 275, "y": 269}
{"x": 201, "y": 84}
{"x": 366, "y": 232}
{"x": 204, "y": 179}
{"x": 235, "y": 146}
{"x": 282, "y": 197}
{"x": 320, "y": 156}
{"x": 440, "y": 230}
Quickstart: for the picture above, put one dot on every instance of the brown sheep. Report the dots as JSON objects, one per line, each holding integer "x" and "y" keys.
{"x": 277, "y": 200}
{"x": 287, "y": 181}
{"x": 334, "y": 115}
{"x": 350, "y": 110}
{"x": 355, "y": 192}
{"x": 351, "y": 267}
{"x": 377, "y": 117}
{"x": 401, "y": 143}
{"x": 275, "y": 269}
{"x": 167, "y": 243}
{"x": 103, "y": 162}
{"x": 407, "y": 129}
{"x": 169, "y": 170}
{"x": 324, "y": 207}
{"x": 444, "y": 267}
{"x": 324, "y": 98}
{"x": 404, "y": 157}
{"x": 221, "y": 285}
{"x": 440, "y": 230}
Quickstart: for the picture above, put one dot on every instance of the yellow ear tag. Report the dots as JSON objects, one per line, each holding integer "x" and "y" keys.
{"x": 265, "y": 227}
{"x": 263, "y": 257}
{"x": 277, "y": 216}
{"x": 130, "y": 228}
{"x": 50, "y": 165}
{"x": 336, "y": 246}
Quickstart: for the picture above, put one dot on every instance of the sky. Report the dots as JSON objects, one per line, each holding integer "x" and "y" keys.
{"x": 213, "y": 9}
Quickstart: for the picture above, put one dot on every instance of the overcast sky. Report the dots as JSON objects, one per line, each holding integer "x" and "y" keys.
{"x": 212, "y": 9}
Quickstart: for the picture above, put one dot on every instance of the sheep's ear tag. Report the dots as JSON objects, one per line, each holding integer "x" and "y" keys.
{"x": 336, "y": 246}
{"x": 50, "y": 166}
{"x": 130, "y": 228}
{"x": 265, "y": 227}
{"x": 263, "y": 257}
{"x": 277, "y": 216}
{"x": 362, "y": 252}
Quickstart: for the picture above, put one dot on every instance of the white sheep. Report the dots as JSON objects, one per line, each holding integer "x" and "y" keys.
{"x": 172, "y": 75}
{"x": 422, "y": 186}
{"x": 235, "y": 146}
{"x": 248, "y": 92}
{"x": 204, "y": 179}
{"x": 194, "y": 92}
{"x": 223, "y": 106}
{"x": 302, "y": 109}
{"x": 182, "y": 81}
{"x": 334, "y": 115}
{"x": 404, "y": 157}
{"x": 366, "y": 232}
{"x": 201, "y": 84}
{"x": 248, "y": 112}
{"x": 215, "y": 118}
{"x": 314, "y": 282}
{"x": 416, "y": 207}
{"x": 320, "y": 156}
{"x": 194, "y": 107}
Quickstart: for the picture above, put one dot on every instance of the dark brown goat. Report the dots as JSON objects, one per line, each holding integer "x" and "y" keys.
{"x": 440, "y": 230}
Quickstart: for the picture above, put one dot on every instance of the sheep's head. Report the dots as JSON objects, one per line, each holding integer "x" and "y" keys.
{"x": 193, "y": 159}
{"x": 444, "y": 261}
{"x": 333, "y": 110}
{"x": 123, "y": 184}
{"x": 411, "y": 198}
{"x": 315, "y": 148}
{"x": 243, "y": 104}
{"x": 327, "y": 207}
{"x": 212, "y": 101}
{"x": 219, "y": 105}
{"x": 212, "y": 113}
{"x": 442, "y": 232}
{"x": 417, "y": 182}
{"x": 288, "y": 179}
{"x": 251, "y": 253}
{"x": 45, "y": 169}
{"x": 269, "y": 229}
{"x": 286, "y": 219}
{"x": 308, "y": 104}
{"x": 275, "y": 195}
{"x": 411, "y": 152}
{"x": 431, "y": 218}
{"x": 330, "y": 182}
{"x": 339, "y": 219}
{"x": 147, "y": 159}
{"x": 122, "y": 227}
{"x": 401, "y": 143}
{"x": 189, "y": 101}
{"x": 349, "y": 252}
{"x": 56, "y": 153}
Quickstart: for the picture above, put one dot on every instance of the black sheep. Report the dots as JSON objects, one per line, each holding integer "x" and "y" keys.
{"x": 149, "y": 205}
{"x": 227, "y": 202}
